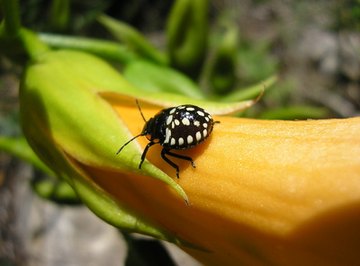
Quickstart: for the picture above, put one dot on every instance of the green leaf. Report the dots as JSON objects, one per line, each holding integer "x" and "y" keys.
{"x": 133, "y": 39}
{"x": 105, "y": 49}
{"x": 252, "y": 92}
{"x": 154, "y": 78}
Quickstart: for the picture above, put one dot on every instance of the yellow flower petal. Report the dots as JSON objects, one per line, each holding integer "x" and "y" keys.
{"x": 263, "y": 192}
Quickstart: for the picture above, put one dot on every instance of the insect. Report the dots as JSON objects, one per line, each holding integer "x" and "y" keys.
{"x": 175, "y": 128}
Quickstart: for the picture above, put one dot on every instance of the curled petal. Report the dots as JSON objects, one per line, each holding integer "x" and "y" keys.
{"x": 263, "y": 192}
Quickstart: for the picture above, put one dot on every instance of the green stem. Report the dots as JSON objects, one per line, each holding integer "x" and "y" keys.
{"x": 106, "y": 49}
{"x": 12, "y": 22}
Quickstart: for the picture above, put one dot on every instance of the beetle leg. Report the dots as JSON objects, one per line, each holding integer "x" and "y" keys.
{"x": 183, "y": 157}
{"x": 165, "y": 152}
{"x": 145, "y": 151}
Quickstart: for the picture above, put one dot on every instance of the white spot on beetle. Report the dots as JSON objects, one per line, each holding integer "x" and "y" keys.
{"x": 201, "y": 113}
{"x": 167, "y": 135}
{"x": 172, "y": 141}
{"x": 185, "y": 121}
{"x": 198, "y": 136}
{"x": 189, "y": 139}
{"x": 204, "y": 133}
{"x": 169, "y": 119}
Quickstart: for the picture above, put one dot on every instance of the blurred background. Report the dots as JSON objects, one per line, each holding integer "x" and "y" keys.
{"x": 313, "y": 47}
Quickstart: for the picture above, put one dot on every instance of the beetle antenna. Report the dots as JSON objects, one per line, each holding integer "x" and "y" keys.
{"x": 139, "y": 107}
{"x": 128, "y": 143}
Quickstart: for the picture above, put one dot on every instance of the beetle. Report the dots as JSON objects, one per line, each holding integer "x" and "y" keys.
{"x": 175, "y": 128}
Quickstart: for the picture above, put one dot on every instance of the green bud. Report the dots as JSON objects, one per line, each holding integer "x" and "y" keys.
{"x": 71, "y": 127}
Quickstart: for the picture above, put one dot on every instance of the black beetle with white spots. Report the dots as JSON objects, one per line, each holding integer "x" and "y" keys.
{"x": 176, "y": 128}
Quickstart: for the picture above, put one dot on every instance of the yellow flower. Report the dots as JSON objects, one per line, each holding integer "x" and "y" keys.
{"x": 263, "y": 192}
